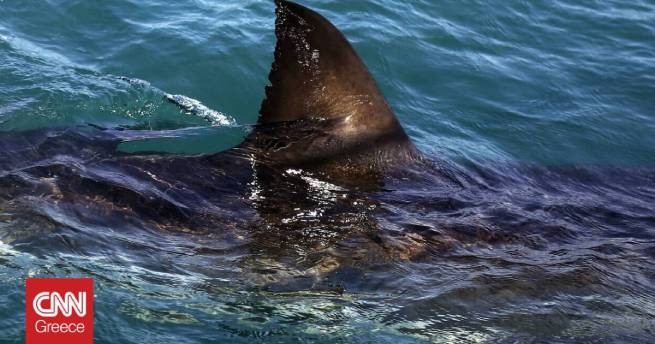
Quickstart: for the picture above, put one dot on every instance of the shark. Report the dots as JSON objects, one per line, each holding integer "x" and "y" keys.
{"x": 325, "y": 137}
{"x": 326, "y": 181}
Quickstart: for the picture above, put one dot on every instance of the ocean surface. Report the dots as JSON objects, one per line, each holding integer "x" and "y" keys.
{"x": 535, "y": 221}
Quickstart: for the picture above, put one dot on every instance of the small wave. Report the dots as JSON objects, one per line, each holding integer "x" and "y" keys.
{"x": 195, "y": 107}
{"x": 189, "y": 105}
{"x": 135, "y": 81}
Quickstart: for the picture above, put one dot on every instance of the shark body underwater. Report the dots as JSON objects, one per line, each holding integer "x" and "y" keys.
{"x": 326, "y": 186}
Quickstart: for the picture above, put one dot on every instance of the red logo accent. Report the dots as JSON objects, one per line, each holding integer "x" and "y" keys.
{"x": 59, "y": 310}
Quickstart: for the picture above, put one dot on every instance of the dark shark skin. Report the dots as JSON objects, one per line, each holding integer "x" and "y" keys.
{"x": 327, "y": 179}
{"x": 323, "y": 110}
{"x": 319, "y": 83}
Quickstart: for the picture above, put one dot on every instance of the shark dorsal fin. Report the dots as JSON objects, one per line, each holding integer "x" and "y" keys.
{"x": 317, "y": 74}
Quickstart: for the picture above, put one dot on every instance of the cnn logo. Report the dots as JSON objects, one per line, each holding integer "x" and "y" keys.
{"x": 59, "y": 310}
{"x": 66, "y": 304}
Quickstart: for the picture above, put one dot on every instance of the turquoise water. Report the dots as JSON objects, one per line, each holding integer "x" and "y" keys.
{"x": 549, "y": 83}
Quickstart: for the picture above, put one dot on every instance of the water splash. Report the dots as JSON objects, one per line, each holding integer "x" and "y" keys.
{"x": 190, "y": 106}
{"x": 196, "y": 108}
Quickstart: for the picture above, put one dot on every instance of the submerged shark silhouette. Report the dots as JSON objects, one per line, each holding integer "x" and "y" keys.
{"x": 307, "y": 193}
{"x": 325, "y": 131}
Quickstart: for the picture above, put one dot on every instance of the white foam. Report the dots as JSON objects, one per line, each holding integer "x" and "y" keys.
{"x": 7, "y": 250}
{"x": 135, "y": 81}
{"x": 196, "y": 108}
{"x": 192, "y": 107}
{"x": 294, "y": 172}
